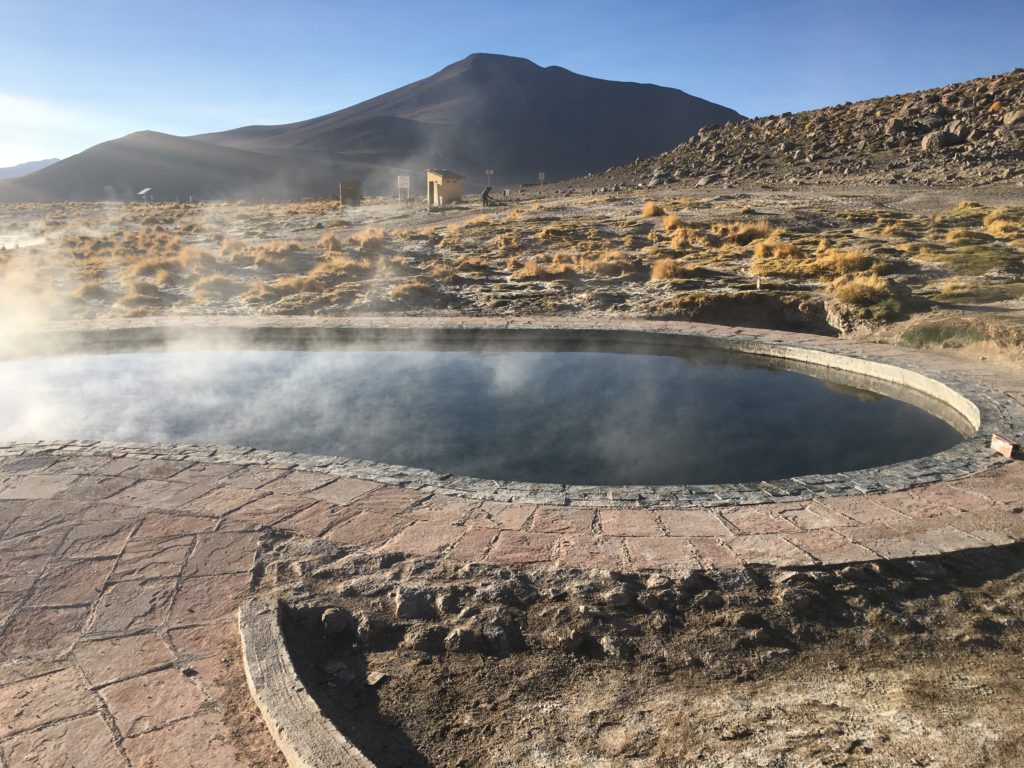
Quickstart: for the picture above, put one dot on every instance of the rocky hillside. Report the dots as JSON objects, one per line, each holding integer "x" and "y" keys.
{"x": 967, "y": 133}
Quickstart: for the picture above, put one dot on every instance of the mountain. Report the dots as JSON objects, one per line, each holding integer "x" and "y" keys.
{"x": 23, "y": 169}
{"x": 960, "y": 134}
{"x": 498, "y": 112}
{"x": 174, "y": 167}
{"x": 484, "y": 112}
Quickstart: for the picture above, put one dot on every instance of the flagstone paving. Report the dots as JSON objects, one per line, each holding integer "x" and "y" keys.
{"x": 122, "y": 567}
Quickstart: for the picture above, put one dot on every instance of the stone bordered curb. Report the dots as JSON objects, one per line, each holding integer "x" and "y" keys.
{"x": 305, "y": 737}
{"x": 985, "y": 409}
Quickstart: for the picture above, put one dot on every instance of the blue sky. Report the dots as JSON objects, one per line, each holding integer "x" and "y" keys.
{"x": 77, "y": 73}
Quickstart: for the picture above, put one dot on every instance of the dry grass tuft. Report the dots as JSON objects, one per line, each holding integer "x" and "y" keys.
{"x": 789, "y": 260}
{"x": 964, "y": 236}
{"x": 672, "y": 221}
{"x": 532, "y": 269}
{"x": 417, "y": 288}
{"x": 475, "y": 221}
{"x": 684, "y": 237}
{"x": 278, "y": 256}
{"x": 652, "y": 209}
{"x": 508, "y": 242}
{"x": 861, "y": 290}
{"x": 1005, "y": 223}
{"x": 838, "y": 261}
{"x": 329, "y": 242}
{"x": 91, "y": 289}
{"x": 776, "y": 258}
{"x": 668, "y": 269}
{"x": 607, "y": 264}
{"x": 369, "y": 238}
{"x": 744, "y": 232}
{"x": 335, "y": 266}
{"x": 218, "y": 287}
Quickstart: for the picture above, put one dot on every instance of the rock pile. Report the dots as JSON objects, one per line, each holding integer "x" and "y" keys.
{"x": 966, "y": 133}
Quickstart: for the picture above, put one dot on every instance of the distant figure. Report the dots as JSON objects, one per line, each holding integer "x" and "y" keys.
{"x": 485, "y": 197}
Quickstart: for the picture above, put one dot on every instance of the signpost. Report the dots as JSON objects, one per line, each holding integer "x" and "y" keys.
{"x": 488, "y": 173}
{"x": 403, "y": 183}
{"x": 540, "y": 178}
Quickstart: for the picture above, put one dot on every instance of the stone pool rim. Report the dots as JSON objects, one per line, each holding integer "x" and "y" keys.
{"x": 985, "y": 408}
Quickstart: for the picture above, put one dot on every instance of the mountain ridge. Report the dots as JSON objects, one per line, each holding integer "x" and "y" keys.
{"x": 23, "y": 169}
{"x": 486, "y": 111}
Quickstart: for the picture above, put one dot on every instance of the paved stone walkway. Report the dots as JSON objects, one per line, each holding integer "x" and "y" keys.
{"x": 121, "y": 568}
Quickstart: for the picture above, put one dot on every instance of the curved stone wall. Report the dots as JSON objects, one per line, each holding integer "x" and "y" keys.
{"x": 926, "y": 381}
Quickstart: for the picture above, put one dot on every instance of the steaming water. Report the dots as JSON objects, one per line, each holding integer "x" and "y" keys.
{"x": 566, "y": 417}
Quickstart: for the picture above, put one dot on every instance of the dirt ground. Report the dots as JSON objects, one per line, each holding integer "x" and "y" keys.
{"x": 920, "y": 266}
{"x": 911, "y": 663}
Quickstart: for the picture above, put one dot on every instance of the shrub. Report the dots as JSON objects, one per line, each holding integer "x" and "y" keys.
{"x": 652, "y": 209}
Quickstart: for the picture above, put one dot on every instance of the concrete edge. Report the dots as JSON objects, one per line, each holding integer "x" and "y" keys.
{"x": 301, "y": 731}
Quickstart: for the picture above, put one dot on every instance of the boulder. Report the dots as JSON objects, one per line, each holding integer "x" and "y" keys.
{"x": 938, "y": 140}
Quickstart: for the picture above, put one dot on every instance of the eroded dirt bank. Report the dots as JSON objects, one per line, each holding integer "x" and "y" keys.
{"x": 914, "y": 662}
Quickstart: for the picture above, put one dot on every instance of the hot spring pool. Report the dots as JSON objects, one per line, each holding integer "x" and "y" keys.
{"x": 551, "y": 416}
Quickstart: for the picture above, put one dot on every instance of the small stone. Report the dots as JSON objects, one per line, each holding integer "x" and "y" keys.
{"x": 660, "y": 621}
{"x": 413, "y": 604}
{"x": 697, "y": 582}
{"x": 374, "y": 679}
{"x": 709, "y": 601}
{"x": 750, "y": 620}
{"x": 760, "y": 636}
{"x": 1016, "y": 117}
{"x": 648, "y": 601}
{"x": 799, "y": 600}
{"x": 448, "y": 602}
{"x": 370, "y": 628}
{"x": 614, "y": 648}
{"x": 574, "y": 641}
{"x": 425, "y": 639}
{"x": 464, "y": 640}
{"x": 335, "y": 621}
{"x": 339, "y": 671}
{"x": 618, "y": 598}
{"x": 658, "y": 581}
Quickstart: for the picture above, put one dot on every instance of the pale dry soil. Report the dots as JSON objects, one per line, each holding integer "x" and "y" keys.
{"x": 904, "y": 663}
